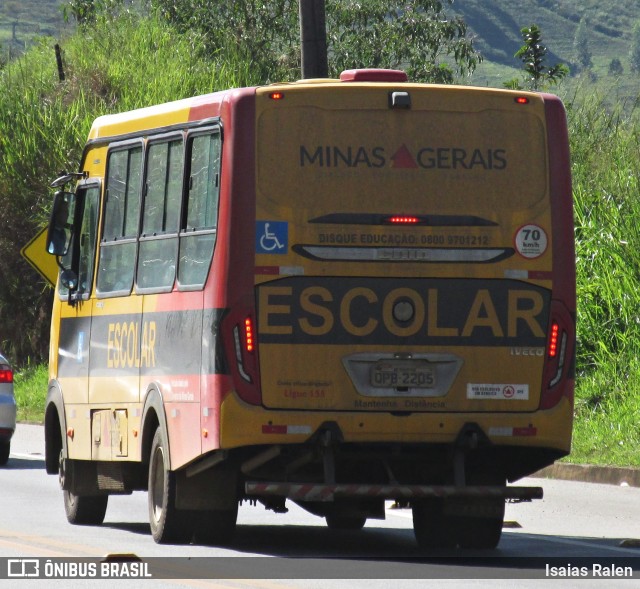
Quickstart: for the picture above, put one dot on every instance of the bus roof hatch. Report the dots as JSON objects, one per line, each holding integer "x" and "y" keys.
{"x": 374, "y": 75}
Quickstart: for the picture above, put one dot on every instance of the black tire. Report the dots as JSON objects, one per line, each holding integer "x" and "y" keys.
{"x": 4, "y": 452}
{"x": 168, "y": 524}
{"x": 345, "y": 522}
{"x": 81, "y": 510}
{"x": 85, "y": 511}
{"x": 481, "y": 533}
{"x": 216, "y": 527}
{"x": 431, "y": 527}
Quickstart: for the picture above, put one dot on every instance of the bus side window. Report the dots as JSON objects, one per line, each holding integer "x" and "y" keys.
{"x": 198, "y": 234}
{"x": 83, "y": 252}
{"x": 121, "y": 217}
{"x": 160, "y": 216}
{"x": 88, "y": 236}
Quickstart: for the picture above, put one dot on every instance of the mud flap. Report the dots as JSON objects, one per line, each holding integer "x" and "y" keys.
{"x": 212, "y": 489}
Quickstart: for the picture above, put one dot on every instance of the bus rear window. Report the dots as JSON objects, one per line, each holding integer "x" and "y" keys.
{"x": 424, "y": 161}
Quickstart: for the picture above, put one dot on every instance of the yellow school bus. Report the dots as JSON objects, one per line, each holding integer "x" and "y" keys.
{"x": 335, "y": 292}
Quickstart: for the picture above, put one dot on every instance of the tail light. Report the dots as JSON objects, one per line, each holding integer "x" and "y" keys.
{"x": 245, "y": 350}
{"x": 6, "y": 374}
{"x": 248, "y": 335}
{"x": 553, "y": 340}
{"x": 559, "y": 363}
{"x": 244, "y": 343}
{"x": 557, "y": 351}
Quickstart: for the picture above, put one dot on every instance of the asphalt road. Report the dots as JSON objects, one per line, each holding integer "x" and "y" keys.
{"x": 576, "y": 524}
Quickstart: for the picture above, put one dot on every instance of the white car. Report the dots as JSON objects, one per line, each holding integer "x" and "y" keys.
{"x": 7, "y": 409}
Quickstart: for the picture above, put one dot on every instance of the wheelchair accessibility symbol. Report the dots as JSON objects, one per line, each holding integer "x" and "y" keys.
{"x": 272, "y": 237}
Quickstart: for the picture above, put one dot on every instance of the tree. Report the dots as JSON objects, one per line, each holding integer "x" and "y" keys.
{"x": 13, "y": 8}
{"x": 533, "y": 55}
{"x": 615, "y": 67}
{"x": 416, "y": 35}
{"x": 581, "y": 46}
{"x": 86, "y": 11}
{"x": 262, "y": 33}
{"x": 634, "y": 52}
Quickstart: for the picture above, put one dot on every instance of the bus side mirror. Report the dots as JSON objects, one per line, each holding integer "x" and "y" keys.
{"x": 60, "y": 229}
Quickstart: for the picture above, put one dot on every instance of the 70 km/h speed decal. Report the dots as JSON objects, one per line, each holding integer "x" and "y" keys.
{"x": 531, "y": 241}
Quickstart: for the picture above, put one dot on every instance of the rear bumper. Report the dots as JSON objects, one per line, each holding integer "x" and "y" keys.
{"x": 550, "y": 429}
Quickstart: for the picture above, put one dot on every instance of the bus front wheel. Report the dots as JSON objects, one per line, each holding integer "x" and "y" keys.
{"x": 83, "y": 510}
{"x": 168, "y": 524}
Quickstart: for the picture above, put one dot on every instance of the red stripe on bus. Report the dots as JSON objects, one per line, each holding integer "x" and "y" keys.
{"x": 525, "y": 431}
{"x": 274, "y": 429}
{"x": 270, "y": 270}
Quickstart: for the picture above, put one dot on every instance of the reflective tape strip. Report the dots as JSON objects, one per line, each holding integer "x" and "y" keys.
{"x": 513, "y": 431}
{"x": 286, "y": 429}
{"x": 318, "y": 492}
{"x": 279, "y": 270}
{"x": 528, "y": 274}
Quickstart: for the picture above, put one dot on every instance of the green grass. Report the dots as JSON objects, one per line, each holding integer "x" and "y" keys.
{"x": 30, "y": 387}
{"x": 607, "y": 417}
{"x": 606, "y": 183}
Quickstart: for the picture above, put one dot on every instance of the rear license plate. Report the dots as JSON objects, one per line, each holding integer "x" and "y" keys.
{"x": 401, "y": 375}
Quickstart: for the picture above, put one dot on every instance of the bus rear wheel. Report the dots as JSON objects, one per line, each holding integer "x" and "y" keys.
{"x": 83, "y": 510}
{"x": 216, "y": 527}
{"x": 345, "y": 522}
{"x": 168, "y": 524}
{"x": 432, "y": 528}
{"x": 481, "y": 533}
{"x": 483, "y": 530}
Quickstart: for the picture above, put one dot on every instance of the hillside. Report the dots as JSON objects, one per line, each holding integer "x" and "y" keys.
{"x": 497, "y": 23}
{"x": 22, "y": 20}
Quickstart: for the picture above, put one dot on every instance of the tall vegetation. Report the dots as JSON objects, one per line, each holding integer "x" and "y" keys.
{"x": 35, "y": 136}
{"x": 415, "y": 34}
{"x": 115, "y": 64}
{"x": 606, "y": 181}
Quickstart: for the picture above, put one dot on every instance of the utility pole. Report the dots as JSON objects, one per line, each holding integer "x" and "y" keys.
{"x": 313, "y": 39}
